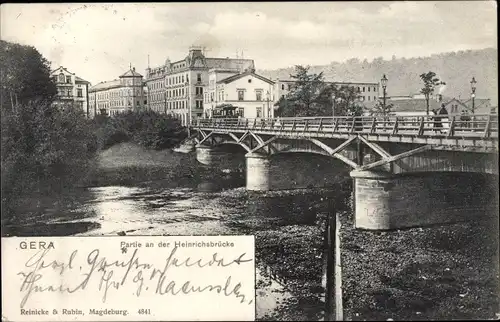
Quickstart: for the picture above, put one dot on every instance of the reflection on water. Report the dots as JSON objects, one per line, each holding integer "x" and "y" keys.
{"x": 270, "y": 291}
{"x": 197, "y": 208}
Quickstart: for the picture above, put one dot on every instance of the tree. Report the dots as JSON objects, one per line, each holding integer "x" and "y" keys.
{"x": 25, "y": 75}
{"x": 430, "y": 82}
{"x": 346, "y": 100}
{"x": 311, "y": 96}
{"x": 380, "y": 110}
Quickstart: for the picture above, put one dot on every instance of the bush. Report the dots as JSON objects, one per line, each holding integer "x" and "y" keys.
{"x": 146, "y": 128}
{"x": 44, "y": 148}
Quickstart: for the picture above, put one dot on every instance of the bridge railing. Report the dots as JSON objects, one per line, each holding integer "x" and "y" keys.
{"x": 478, "y": 125}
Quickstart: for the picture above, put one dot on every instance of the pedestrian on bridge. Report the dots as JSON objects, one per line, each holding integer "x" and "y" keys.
{"x": 437, "y": 121}
{"x": 443, "y": 119}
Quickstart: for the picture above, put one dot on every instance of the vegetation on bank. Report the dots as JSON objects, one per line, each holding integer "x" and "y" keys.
{"x": 146, "y": 128}
{"x": 47, "y": 148}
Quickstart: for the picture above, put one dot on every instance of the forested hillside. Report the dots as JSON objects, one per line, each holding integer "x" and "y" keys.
{"x": 455, "y": 68}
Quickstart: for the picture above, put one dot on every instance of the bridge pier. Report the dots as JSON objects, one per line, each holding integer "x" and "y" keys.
{"x": 385, "y": 201}
{"x": 258, "y": 168}
{"x": 205, "y": 154}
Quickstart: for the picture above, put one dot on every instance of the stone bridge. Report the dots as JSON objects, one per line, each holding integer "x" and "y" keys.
{"x": 407, "y": 171}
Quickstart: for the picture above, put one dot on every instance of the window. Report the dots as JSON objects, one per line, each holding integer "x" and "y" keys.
{"x": 69, "y": 93}
{"x": 369, "y": 97}
{"x": 363, "y": 89}
{"x": 374, "y": 98}
{"x": 198, "y": 77}
{"x": 289, "y": 87}
{"x": 68, "y": 79}
{"x": 199, "y": 90}
{"x": 241, "y": 95}
{"x": 241, "y": 111}
{"x": 61, "y": 78}
{"x": 79, "y": 92}
{"x": 369, "y": 89}
{"x": 258, "y": 95}
{"x": 259, "y": 111}
{"x": 211, "y": 97}
{"x": 283, "y": 86}
{"x": 249, "y": 80}
{"x": 183, "y": 78}
{"x": 359, "y": 90}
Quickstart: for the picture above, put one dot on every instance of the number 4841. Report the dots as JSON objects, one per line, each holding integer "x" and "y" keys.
{"x": 144, "y": 311}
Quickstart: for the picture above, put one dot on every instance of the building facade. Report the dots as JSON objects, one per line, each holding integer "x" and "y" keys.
{"x": 250, "y": 94}
{"x": 71, "y": 89}
{"x": 177, "y": 88}
{"x": 119, "y": 95}
{"x": 368, "y": 91}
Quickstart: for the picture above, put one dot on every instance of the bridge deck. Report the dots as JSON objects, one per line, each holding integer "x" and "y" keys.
{"x": 481, "y": 131}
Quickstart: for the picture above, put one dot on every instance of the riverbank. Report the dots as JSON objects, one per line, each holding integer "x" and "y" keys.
{"x": 436, "y": 273}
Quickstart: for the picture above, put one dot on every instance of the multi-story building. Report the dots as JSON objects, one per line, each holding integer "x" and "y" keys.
{"x": 251, "y": 95}
{"x": 71, "y": 89}
{"x": 368, "y": 91}
{"x": 119, "y": 95}
{"x": 176, "y": 88}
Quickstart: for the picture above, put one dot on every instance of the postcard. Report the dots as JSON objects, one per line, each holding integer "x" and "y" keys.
{"x": 266, "y": 161}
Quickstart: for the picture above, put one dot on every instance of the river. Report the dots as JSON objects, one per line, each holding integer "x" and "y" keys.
{"x": 288, "y": 226}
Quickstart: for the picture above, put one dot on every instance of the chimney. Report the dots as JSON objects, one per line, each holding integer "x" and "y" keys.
{"x": 133, "y": 69}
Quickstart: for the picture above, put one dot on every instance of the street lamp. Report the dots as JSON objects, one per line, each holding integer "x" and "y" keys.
{"x": 384, "y": 81}
{"x": 473, "y": 93}
{"x": 268, "y": 97}
{"x": 333, "y": 106}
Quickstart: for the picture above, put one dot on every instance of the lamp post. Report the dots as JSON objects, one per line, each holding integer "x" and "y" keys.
{"x": 473, "y": 92}
{"x": 268, "y": 97}
{"x": 333, "y": 106}
{"x": 473, "y": 96}
{"x": 384, "y": 81}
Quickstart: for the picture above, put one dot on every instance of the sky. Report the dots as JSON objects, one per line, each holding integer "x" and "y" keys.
{"x": 99, "y": 42}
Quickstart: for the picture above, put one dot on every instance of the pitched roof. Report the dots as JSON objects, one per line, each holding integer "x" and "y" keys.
{"x": 106, "y": 85}
{"x": 230, "y": 63}
{"x": 81, "y": 80}
{"x": 62, "y": 68}
{"x": 454, "y": 100}
{"x": 478, "y": 102}
{"x": 246, "y": 73}
{"x": 131, "y": 73}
